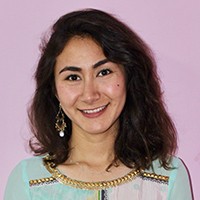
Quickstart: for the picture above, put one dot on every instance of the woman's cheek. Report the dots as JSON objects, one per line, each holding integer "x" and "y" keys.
{"x": 64, "y": 93}
{"x": 115, "y": 89}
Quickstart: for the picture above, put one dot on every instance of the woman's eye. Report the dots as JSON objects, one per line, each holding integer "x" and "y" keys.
{"x": 104, "y": 72}
{"x": 73, "y": 77}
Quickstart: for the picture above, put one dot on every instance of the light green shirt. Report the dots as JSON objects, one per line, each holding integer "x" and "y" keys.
{"x": 32, "y": 180}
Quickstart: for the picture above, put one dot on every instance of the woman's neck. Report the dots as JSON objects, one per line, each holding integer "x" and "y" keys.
{"x": 92, "y": 149}
{"x": 90, "y": 157}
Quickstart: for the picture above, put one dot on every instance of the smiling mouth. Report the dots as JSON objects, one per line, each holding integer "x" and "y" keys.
{"x": 96, "y": 110}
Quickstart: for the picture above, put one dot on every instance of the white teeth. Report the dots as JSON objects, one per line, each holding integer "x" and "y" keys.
{"x": 94, "y": 111}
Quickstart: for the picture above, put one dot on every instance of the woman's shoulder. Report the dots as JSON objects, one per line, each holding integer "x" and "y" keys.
{"x": 177, "y": 178}
{"x": 30, "y": 163}
{"x": 31, "y": 168}
{"x": 175, "y": 164}
{"x": 32, "y": 160}
{"x": 158, "y": 173}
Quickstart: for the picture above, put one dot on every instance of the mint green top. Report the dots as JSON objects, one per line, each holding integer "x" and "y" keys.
{"x": 32, "y": 180}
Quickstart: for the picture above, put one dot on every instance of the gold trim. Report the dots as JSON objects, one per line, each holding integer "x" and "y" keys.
{"x": 42, "y": 181}
{"x": 58, "y": 176}
{"x": 49, "y": 180}
{"x": 89, "y": 185}
{"x": 156, "y": 177}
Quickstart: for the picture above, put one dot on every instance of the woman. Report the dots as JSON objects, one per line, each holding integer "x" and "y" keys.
{"x": 100, "y": 127}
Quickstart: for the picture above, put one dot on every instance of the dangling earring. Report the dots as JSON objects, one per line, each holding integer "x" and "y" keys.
{"x": 60, "y": 124}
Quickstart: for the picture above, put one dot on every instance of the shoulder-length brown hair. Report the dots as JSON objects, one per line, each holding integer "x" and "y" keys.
{"x": 146, "y": 131}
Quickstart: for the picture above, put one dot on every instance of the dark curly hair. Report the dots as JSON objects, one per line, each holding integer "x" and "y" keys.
{"x": 146, "y": 131}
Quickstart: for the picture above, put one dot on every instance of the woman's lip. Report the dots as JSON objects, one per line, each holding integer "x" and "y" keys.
{"x": 94, "y": 112}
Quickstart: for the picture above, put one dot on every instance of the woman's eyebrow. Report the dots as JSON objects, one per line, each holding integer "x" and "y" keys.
{"x": 101, "y": 62}
{"x": 78, "y": 69}
{"x": 70, "y": 68}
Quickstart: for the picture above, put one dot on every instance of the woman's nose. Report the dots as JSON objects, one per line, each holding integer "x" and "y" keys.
{"x": 90, "y": 92}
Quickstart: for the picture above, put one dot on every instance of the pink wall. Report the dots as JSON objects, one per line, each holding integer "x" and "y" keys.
{"x": 172, "y": 29}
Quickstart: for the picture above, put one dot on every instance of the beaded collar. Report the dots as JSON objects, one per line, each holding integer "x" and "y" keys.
{"x": 56, "y": 174}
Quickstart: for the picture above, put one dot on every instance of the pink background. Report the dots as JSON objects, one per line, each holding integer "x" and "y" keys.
{"x": 171, "y": 28}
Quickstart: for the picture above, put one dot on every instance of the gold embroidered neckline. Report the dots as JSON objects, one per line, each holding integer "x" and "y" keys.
{"x": 88, "y": 185}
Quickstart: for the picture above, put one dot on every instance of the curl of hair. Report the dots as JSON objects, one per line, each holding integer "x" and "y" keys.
{"x": 146, "y": 131}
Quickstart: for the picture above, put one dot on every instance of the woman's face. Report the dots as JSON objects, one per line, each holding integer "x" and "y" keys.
{"x": 90, "y": 88}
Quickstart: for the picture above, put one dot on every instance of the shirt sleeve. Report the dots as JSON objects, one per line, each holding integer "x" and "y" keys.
{"x": 179, "y": 183}
{"x": 18, "y": 185}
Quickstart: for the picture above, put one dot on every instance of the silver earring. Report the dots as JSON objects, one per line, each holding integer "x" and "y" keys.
{"x": 60, "y": 124}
